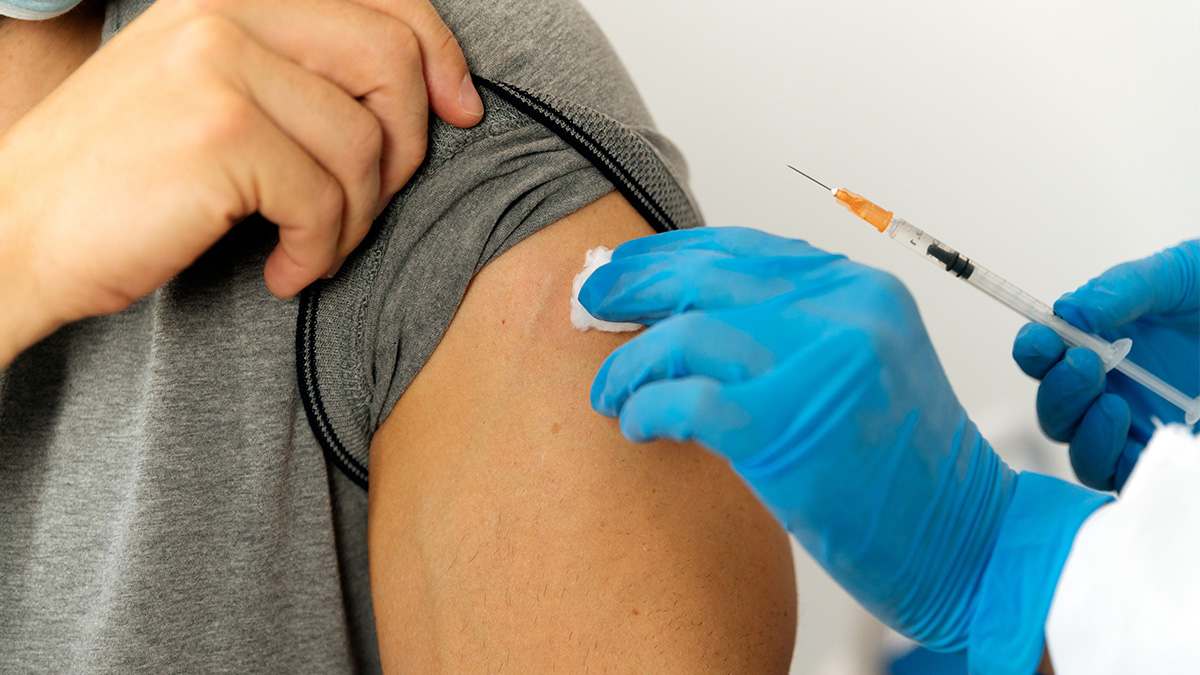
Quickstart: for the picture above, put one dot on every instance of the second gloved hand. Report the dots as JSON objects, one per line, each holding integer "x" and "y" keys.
{"x": 814, "y": 376}
{"x": 1107, "y": 418}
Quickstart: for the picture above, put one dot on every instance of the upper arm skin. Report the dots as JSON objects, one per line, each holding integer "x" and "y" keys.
{"x": 512, "y": 528}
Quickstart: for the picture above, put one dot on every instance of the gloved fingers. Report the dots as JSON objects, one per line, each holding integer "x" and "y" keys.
{"x": 650, "y": 287}
{"x": 1099, "y": 441}
{"x": 683, "y": 346}
{"x": 740, "y": 421}
{"x": 737, "y": 241}
{"x": 1163, "y": 283}
{"x": 1129, "y": 457}
{"x": 693, "y": 408}
{"x": 1037, "y": 348}
{"x": 1067, "y": 391}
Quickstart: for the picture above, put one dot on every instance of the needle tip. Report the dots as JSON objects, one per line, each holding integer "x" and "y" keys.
{"x": 811, "y": 178}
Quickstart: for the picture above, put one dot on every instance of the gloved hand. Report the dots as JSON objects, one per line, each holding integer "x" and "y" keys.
{"x": 1107, "y": 418}
{"x": 814, "y": 376}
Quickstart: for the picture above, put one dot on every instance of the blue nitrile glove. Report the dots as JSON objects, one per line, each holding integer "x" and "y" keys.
{"x": 814, "y": 376}
{"x": 1108, "y": 419}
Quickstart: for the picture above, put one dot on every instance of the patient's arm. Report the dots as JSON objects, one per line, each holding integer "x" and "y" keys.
{"x": 512, "y": 529}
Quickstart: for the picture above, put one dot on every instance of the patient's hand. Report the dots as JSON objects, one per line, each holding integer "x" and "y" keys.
{"x": 311, "y": 114}
{"x": 513, "y": 528}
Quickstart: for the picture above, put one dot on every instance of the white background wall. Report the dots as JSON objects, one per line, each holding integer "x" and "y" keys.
{"x": 1046, "y": 139}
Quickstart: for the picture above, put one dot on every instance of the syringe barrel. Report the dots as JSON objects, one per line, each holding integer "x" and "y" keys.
{"x": 1111, "y": 353}
{"x": 1189, "y": 406}
{"x": 918, "y": 241}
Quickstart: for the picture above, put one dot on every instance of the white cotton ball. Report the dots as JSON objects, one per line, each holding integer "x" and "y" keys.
{"x": 580, "y": 318}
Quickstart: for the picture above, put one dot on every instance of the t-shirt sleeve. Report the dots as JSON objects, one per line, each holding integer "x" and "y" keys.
{"x": 536, "y": 157}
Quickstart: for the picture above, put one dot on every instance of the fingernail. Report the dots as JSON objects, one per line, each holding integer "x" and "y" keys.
{"x": 468, "y": 98}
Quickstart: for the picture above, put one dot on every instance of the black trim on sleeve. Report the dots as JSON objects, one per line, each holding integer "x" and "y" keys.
{"x": 600, "y": 157}
{"x": 310, "y": 390}
{"x": 557, "y": 121}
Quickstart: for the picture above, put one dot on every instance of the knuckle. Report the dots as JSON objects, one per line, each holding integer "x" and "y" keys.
{"x": 884, "y": 294}
{"x": 206, "y": 36}
{"x": 401, "y": 42}
{"x": 225, "y": 118}
{"x": 447, "y": 44}
{"x": 686, "y": 328}
{"x": 700, "y": 264}
{"x": 893, "y": 309}
{"x": 364, "y": 142}
{"x": 182, "y": 7}
{"x": 329, "y": 203}
{"x": 197, "y": 7}
{"x": 884, "y": 286}
{"x": 851, "y": 339}
{"x": 704, "y": 398}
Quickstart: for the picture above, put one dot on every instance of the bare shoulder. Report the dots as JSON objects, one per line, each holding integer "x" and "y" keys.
{"x": 511, "y": 527}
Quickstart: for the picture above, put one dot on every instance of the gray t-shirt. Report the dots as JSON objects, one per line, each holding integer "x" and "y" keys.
{"x": 182, "y": 484}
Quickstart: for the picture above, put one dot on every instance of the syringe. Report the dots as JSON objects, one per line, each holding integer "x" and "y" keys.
{"x": 917, "y": 241}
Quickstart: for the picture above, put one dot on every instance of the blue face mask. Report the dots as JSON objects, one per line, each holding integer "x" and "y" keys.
{"x": 35, "y": 10}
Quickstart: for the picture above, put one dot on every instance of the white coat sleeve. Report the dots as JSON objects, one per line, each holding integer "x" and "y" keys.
{"x": 1128, "y": 599}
